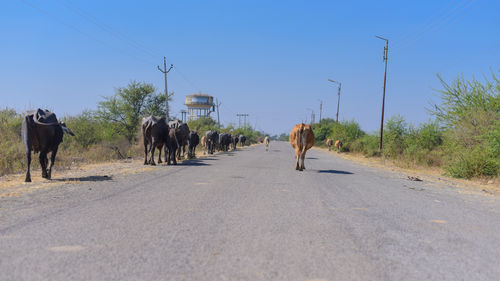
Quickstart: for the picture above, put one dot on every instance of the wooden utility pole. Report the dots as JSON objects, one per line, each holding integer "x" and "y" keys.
{"x": 165, "y": 71}
{"x": 386, "y": 50}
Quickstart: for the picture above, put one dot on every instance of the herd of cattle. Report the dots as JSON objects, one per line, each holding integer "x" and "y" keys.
{"x": 42, "y": 132}
{"x": 173, "y": 138}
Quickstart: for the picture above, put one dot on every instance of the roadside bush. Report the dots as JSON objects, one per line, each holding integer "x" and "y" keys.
{"x": 468, "y": 163}
{"x": 12, "y": 155}
{"x": 367, "y": 145}
{"x": 346, "y": 131}
{"x": 395, "y": 132}
{"x": 471, "y": 112}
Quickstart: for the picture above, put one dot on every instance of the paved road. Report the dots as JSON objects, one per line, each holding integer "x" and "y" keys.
{"x": 250, "y": 216}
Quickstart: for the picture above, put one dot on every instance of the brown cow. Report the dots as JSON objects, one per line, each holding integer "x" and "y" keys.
{"x": 338, "y": 145}
{"x": 329, "y": 143}
{"x": 204, "y": 144}
{"x": 301, "y": 139}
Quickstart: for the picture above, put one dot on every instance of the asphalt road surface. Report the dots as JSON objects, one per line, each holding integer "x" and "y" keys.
{"x": 248, "y": 215}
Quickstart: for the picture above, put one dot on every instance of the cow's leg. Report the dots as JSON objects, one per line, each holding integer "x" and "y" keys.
{"x": 152, "y": 150}
{"x": 165, "y": 153}
{"x": 52, "y": 161}
{"x": 28, "y": 164}
{"x": 145, "y": 152}
{"x": 173, "y": 157}
{"x": 159, "y": 154}
{"x": 178, "y": 154}
{"x": 302, "y": 157}
{"x": 297, "y": 157}
{"x": 43, "y": 163}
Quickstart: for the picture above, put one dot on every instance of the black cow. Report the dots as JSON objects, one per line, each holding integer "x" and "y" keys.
{"x": 235, "y": 140}
{"x": 228, "y": 141}
{"x": 243, "y": 139}
{"x": 41, "y": 132}
{"x": 194, "y": 140}
{"x": 155, "y": 135}
{"x": 212, "y": 137}
{"x": 172, "y": 146}
{"x": 182, "y": 134}
{"x": 224, "y": 141}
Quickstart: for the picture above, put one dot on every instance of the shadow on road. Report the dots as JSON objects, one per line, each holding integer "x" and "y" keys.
{"x": 312, "y": 158}
{"x": 196, "y": 162}
{"x": 88, "y": 178}
{"x": 335, "y": 172}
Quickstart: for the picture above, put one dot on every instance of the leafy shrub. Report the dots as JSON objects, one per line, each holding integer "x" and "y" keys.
{"x": 473, "y": 163}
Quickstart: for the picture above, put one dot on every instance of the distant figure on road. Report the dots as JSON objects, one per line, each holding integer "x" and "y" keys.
{"x": 329, "y": 143}
{"x": 301, "y": 139}
{"x": 338, "y": 145}
{"x": 266, "y": 142}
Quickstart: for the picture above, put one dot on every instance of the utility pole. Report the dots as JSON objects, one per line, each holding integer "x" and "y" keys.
{"x": 386, "y": 51}
{"x": 218, "y": 120}
{"x": 338, "y": 100}
{"x": 320, "y": 111}
{"x": 239, "y": 119}
{"x": 312, "y": 116}
{"x": 165, "y": 71}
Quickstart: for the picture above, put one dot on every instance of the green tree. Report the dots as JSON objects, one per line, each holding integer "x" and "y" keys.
{"x": 127, "y": 106}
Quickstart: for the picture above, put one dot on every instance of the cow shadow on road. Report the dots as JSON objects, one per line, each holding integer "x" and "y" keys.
{"x": 334, "y": 172}
{"x": 197, "y": 162}
{"x": 85, "y": 179}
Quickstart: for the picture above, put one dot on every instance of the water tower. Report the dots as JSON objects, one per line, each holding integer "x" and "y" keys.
{"x": 199, "y": 105}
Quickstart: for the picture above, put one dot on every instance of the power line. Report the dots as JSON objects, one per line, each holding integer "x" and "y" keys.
{"x": 89, "y": 36}
{"x": 110, "y": 30}
{"x": 429, "y": 21}
{"x": 90, "y": 18}
{"x": 453, "y": 13}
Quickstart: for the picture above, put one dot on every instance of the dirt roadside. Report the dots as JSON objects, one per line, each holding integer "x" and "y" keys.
{"x": 13, "y": 185}
{"x": 435, "y": 175}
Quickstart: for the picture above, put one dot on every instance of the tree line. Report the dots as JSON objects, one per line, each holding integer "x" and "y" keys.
{"x": 111, "y": 131}
{"x": 463, "y": 136}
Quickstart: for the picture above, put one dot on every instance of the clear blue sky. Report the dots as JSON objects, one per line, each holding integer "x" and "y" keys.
{"x": 270, "y": 59}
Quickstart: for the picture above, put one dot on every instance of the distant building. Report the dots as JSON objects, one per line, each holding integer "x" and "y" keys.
{"x": 199, "y": 105}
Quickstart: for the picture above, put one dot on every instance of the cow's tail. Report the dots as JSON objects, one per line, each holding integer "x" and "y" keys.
{"x": 300, "y": 135}
{"x": 176, "y": 141}
{"x": 146, "y": 131}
